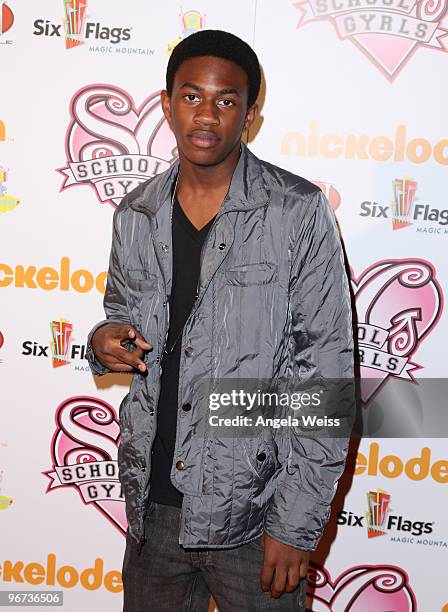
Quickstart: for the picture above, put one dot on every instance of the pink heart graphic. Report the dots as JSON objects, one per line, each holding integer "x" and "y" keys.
{"x": 367, "y": 588}
{"x": 84, "y": 455}
{"x": 112, "y": 145}
{"x": 389, "y": 55}
{"x": 398, "y": 303}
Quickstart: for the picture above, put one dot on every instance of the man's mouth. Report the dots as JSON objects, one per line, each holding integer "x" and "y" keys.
{"x": 203, "y": 139}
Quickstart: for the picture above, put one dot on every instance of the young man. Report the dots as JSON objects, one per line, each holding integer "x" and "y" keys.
{"x": 224, "y": 266}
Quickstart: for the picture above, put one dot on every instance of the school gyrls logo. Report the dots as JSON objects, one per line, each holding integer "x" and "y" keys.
{"x": 84, "y": 456}
{"x": 388, "y": 32}
{"x": 361, "y": 588}
{"x": 7, "y": 202}
{"x": 112, "y": 145}
{"x": 398, "y": 303}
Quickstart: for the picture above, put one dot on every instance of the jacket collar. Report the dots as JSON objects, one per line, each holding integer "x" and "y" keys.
{"x": 247, "y": 187}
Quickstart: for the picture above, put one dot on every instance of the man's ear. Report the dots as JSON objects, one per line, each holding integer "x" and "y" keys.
{"x": 251, "y": 114}
{"x": 166, "y": 106}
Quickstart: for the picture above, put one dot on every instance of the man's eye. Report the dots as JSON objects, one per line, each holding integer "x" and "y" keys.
{"x": 226, "y": 103}
{"x": 191, "y": 97}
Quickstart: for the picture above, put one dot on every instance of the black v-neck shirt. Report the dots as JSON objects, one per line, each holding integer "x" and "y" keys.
{"x": 187, "y": 246}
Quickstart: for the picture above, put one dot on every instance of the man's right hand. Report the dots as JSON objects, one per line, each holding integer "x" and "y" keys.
{"x": 108, "y": 345}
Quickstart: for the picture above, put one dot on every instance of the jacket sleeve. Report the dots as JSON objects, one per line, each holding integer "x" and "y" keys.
{"x": 322, "y": 347}
{"x": 115, "y": 303}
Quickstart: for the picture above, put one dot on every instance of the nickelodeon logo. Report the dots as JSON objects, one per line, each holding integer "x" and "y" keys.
{"x": 352, "y": 146}
{"x": 391, "y": 466}
{"x": 49, "y": 278}
{"x": 66, "y": 576}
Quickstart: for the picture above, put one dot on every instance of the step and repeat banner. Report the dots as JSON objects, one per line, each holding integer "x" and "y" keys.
{"x": 355, "y": 100}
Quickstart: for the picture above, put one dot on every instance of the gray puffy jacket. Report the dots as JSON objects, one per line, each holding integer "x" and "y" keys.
{"x": 272, "y": 302}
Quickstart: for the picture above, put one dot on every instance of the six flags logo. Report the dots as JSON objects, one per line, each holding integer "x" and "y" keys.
{"x": 61, "y": 332}
{"x": 389, "y": 32}
{"x": 403, "y": 202}
{"x": 63, "y": 351}
{"x": 405, "y": 211}
{"x": 74, "y": 14}
{"x": 379, "y": 521}
{"x": 378, "y": 503}
{"x": 77, "y": 30}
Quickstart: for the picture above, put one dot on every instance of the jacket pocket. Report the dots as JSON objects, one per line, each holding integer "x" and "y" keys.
{"x": 246, "y": 464}
{"x": 261, "y": 458}
{"x": 141, "y": 281}
{"x": 246, "y": 317}
{"x": 252, "y": 274}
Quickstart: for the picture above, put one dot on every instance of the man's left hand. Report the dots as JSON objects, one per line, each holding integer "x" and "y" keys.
{"x": 283, "y": 567}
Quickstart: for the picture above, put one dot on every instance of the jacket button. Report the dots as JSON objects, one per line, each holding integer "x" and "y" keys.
{"x": 165, "y": 248}
{"x": 189, "y": 351}
{"x": 222, "y": 246}
{"x": 261, "y": 456}
{"x": 180, "y": 465}
{"x": 186, "y": 407}
{"x": 164, "y": 304}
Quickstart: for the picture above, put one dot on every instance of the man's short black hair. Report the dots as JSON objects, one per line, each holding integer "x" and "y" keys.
{"x": 217, "y": 44}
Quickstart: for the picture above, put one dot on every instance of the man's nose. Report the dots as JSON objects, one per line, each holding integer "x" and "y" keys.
{"x": 207, "y": 113}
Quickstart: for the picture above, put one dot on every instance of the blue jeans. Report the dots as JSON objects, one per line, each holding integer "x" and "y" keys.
{"x": 165, "y": 577}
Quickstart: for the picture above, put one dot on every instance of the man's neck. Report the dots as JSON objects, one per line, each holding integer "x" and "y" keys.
{"x": 202, "y": 184}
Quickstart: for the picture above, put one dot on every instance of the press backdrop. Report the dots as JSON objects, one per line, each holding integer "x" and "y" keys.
{"x": 355, "y": 100}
